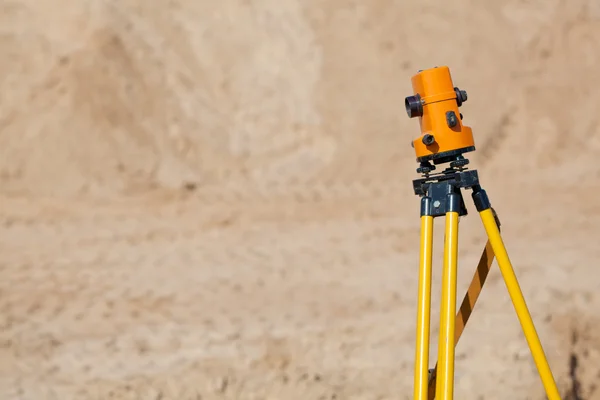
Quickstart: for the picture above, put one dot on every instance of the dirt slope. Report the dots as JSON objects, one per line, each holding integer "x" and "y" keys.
{"x": 214, "y": 200}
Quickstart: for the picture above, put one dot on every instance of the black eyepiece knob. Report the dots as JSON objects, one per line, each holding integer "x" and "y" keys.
{"x": 414, "y": 107}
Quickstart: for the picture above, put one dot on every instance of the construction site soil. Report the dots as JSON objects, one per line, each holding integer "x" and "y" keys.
{"x": 213, "y": 200}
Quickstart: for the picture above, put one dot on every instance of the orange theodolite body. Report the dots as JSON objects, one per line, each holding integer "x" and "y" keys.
{"x": 436, "y": 102}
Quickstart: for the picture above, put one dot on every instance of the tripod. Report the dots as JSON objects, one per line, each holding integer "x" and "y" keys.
{"x": 441, "y": 196}
{"x": 444, "y": 140}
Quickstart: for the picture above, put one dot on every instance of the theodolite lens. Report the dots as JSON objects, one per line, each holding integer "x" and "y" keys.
{"x": 414, "y": 107}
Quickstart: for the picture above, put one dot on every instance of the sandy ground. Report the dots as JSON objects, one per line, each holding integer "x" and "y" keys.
{"x": 214, "y": 201}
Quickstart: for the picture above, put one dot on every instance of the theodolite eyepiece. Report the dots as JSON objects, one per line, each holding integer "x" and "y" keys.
{"x": 435, "y": 102}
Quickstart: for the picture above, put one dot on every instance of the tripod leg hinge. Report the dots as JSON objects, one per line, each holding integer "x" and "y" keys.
{"x": 481, "y": 199}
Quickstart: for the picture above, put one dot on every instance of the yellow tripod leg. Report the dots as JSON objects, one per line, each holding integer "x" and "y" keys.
{"x": 468, "y": 304}
{"x": 445, "y": 373}
{"x": 424, "y": 303}
{"x": 510, "y": 279}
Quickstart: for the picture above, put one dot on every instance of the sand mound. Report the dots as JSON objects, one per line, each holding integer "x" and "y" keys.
{"x": 114, "y": 97}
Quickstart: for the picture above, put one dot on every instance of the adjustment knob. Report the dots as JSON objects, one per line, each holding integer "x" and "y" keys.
{"x": 428, "y": 139}
{"x": 461, "y": 96}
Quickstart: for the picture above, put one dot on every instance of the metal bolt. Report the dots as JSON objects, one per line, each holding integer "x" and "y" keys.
{"x": 436, "y": 203}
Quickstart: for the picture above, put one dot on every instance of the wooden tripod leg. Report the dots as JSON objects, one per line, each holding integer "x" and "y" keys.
{"x": 468, "y": 303}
